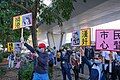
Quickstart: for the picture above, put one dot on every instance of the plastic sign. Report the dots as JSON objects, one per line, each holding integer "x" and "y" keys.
{"x": 75, "y": 38}
{"x": 17, "y": 22}
{"x": 17, "y": 47}
{"x": 85, "y": 37}
{"x": 10, "y": 47}
{"x": 27, "y": 20}
{"x": 108, "y": 39}
{"x": 22, "y": 21}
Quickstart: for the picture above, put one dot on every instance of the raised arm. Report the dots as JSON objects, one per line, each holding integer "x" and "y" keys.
{"x": 84, "y": 59}
{"x": 29, "y": 47}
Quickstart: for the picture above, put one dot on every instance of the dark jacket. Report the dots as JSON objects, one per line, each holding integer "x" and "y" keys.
{"x": 86, "y": 61}
{"x": 89, "y": 53}
{"x": 40, "y": 62}
{"x": 65, "y": 60}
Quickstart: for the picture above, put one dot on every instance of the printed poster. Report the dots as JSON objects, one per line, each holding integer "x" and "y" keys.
{"x": 75, "y": 38}
{"x": 27, "y": 20}
{"x": 85, "y": 37}
{"x": 10, "y": 47}
{"x": 17, "y": 22}
{"x": 108, "y": 39}
{"x": 22, "y": 21}
{"x": 17, "y": 47}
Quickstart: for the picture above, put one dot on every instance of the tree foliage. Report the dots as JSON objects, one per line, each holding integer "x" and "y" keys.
{"x": 57, "y": 12}
{"x": 7, "y": 11}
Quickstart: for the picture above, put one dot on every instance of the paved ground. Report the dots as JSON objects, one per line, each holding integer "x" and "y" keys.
{"x": 10, "y": 75}
{"x": 57, "y": 75}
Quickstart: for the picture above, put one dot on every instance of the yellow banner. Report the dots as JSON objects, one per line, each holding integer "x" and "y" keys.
{"x": 10, "y": 47}
{"x": 85, "y": 37}
{"x": 17, "y": 22}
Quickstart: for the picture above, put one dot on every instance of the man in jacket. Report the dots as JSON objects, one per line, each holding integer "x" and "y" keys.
{"x": 41, "y": 62}
{"x": 96, "y": 64}
{"x": 65, "y": 64}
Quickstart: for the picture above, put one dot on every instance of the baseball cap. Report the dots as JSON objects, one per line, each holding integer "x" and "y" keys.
{"x": 42, "y": 45}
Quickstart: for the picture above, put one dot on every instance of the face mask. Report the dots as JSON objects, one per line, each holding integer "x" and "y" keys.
{"x": 73, "y": 54}
{"x": 46, "y": 50}
{"x": 49, "y": 53}
{"x": 40, "y": 50}
{"x": 97, "y": 61}
{"x": 63, "y": 52}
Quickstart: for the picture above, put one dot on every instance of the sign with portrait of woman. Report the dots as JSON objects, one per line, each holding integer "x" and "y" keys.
{"x": 75, "y": 38}
{"x": 27, "y": 20}
{"x": 21, "y": 21}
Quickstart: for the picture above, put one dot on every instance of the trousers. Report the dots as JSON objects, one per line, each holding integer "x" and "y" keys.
{"x": 37, "y": 76}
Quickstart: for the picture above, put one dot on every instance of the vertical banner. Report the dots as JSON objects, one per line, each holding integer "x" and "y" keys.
{"x": 17, "y": 47}
{"x": 108, "y": 39}
{"x": 27, "y": 20}
{"x": 10, "y": 47}
{"x": 17, "y": 22}
{"x": 85, "y": 37}
{"x": 75, "y": 38}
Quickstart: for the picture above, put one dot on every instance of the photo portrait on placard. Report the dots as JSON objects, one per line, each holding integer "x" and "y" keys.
{"x": 75, "y": 38}
{"x": 17, "y": 47}
{"x": 27, "y": 20}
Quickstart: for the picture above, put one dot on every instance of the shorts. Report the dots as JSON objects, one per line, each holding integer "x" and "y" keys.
{"x": 37, "y": 76}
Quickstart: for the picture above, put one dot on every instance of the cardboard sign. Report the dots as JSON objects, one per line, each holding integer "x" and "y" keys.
{"x": 85, "y": 37}
{"x": 17, "y": 47}
{"x": 10, "y": 47}
{"x": 75, "y": 38}
{"x": 22, "y": 21}
{"x": 108, "y": 39}
{"x": 27, "y": 20}
{"x": 17, "y": 22}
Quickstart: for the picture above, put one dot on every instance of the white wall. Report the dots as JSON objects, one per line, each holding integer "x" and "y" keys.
{"x": 109, "y": 25}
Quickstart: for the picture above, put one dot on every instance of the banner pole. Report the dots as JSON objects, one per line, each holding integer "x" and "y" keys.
{"x": 22, "y": 39}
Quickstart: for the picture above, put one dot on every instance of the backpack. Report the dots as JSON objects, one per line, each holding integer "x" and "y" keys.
{"x": 95, "y": 73}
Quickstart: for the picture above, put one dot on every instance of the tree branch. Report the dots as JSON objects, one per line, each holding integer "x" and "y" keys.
{"x": 20, "y": 6}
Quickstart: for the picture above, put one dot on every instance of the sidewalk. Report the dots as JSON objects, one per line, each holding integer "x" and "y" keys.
{"x": 4, "y": 62}
{"x": 10, "y": 75}
{"x": 57, "y": 75}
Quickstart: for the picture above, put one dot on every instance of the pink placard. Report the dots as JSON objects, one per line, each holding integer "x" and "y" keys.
{"x": 108, "y": 39}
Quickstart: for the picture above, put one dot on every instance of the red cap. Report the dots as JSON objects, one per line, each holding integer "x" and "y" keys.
{"x": 42, "y": 45}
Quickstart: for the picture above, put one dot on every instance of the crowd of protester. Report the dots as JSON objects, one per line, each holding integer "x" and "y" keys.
{"x": 103, "y": 65}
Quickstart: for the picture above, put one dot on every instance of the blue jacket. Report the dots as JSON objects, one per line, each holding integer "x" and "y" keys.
{"x": 90, "y": 65}
{"x": 40, "y": 62}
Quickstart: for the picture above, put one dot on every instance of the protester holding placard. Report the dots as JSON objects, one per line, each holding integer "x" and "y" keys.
{"x": 40, "y": 62}
{"x": 96, "y": 69}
